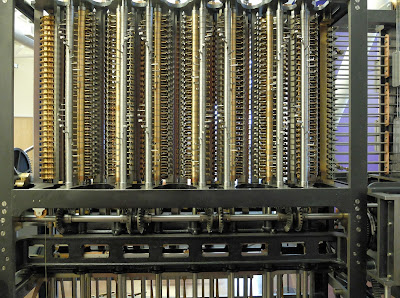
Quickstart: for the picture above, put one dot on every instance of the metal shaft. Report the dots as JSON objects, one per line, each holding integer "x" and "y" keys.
{"x": 305, "y": 100}
{"x": 279, "y": 95}
{"x": 231, "y": 285}
{"x": 123, "y": 93}
{"x": 158, "y": 285}
{"x": 227, "y": 97}
{"x": 267, "y": 285}
{"x": 148, "y": 96}
{"x": 202, "y": 96}
{"x": 121, "y": 284}
{"x": 195, "y": 96}
{"x": 68, "y": 93}
{"x": 304, "y": 284}
{"x": 194, "y": 285}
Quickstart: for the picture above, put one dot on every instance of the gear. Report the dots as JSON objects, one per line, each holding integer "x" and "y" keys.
{"x": 300, "y": 220}
{"x": 220, "y": 220}
{"x": 61, "y": 226}
{"x": 210, "y": 219}
{"x": 139, "y": 220}
{"x": 289, "y": 219}
{"x": 129, "y": 222}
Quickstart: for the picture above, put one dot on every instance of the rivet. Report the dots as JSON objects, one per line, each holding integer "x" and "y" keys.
{"x": 358, "y": 216}
{"x": 4, "y": 211}
{"x": 358, "y": 262}
{"x": 3, "y": 249}
{"x": 3, "y": 233}
{"x": 7, "y": 259}
{"x": 358, "y": 229}
{"x": 357, "y": 7}
{"x": 4, "y": 203}
{"x": 3, "y": 220}
{"x": 358, "y": 244}
{"x": 357, "y": 201}
{"x": 354, "y": 253}
{"x": 357, "y": 208}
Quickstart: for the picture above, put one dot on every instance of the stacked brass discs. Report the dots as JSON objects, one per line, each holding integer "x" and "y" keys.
{"x": 46, "y": 99}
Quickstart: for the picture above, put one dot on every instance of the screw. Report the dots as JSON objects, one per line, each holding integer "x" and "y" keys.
{"x": 3, "y": 233}
{"x": 358, "y": 229}
{"x": 4, "y": 203}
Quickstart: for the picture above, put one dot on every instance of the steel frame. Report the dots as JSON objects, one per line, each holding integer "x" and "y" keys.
{"x": 351, "y": 199}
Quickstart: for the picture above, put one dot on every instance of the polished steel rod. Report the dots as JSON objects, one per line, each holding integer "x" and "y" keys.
{"x": 69, "y": 52}
{"x": 279, "y": 95}
{"x": 202, "y": 95}
{"x": 227, "y": 97}
{"x": 148, "y": 97}
{"x": 305, "y": 96}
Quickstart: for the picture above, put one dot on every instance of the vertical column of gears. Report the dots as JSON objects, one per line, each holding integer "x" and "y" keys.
{"x": 286, "y": 102}
{"x": 130, "y": 96}
{"x": 91, "y": 99}
{"x": 255, "y": 97}
{"x": 46, "y": 104}
{"x": 296, "y": 36}
{"x": 240, "y": 78}
{"x": 79, "y": 95}
{"x": 156, "y": 96}
{"x": 186, "y": 96}
{"x": 330, "y": 108}
{"x": 210, "y": 99}
{"x": 219, "y": 100}
{"x": 110, "y": 97}
{"x": 166, "y": 98}
{"x": 314, "y": 133}
{"x": 140, "y": 104}
{"x": 262, "y": 99}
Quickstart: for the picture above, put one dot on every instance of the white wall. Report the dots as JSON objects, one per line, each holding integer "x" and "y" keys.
{"x": 23, "y": 87}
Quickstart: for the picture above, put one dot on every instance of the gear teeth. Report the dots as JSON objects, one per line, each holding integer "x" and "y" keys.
{"x": 139, "y": 220}
{"x": 220, "y": 220}
{"x": 299, "y": 220}
{"x": 210, "y": 219}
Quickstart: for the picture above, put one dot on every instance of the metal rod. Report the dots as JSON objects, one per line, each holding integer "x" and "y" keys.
{"x": 194, "y": 285}
{"x": 108, "y": 287}
{"x": 179, "y": 218}
{"x": 195, "y": 96}
{"x": 68, "y": 93}
{"x": 245, "y": 286}
{"x": 270, "y": 95}
{"x": 304, "y": 283}
{"x": 227, "y": 97}
{"x": 298, "y": 285}
{"x": 148, "y": 96}
{"x": 123, "y": 95}
{"x": 202, "y": 97}
{"x": 305, "y": 101}
{"x": 121, "y": 283}
{"x": 211, "y": 288}
{"x": 158, "y": 285}
{"x": 312, "y": 284}
{"x": 178, "y": 287}
{"x": 388, "y": 289}
{"x": 279, "y": 285}
{"x": 279, "y": 95}
{"x": 267, "y": 285}
{"x": 143, "y": 288}
{"x": 231, "y": 285}
{"x": 74, "y": 288}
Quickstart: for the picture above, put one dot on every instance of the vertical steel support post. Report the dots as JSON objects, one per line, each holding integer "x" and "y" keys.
{"x": 357, "y": 202}
{"x": 305, "y": 95}
{"x": 202, "y": 96}
{"x": 227, "y": 97}
{"x": 279, "y": 95}
{"x": 194, "y": 285}
{"x": 7, "y": 248}
{"x": 121, "y": 285}
{"x": 267, "y": 285}
{"x": 122, "y": 97}
{"x": 69, "y": 51}
{"x": 148, "y": 96}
